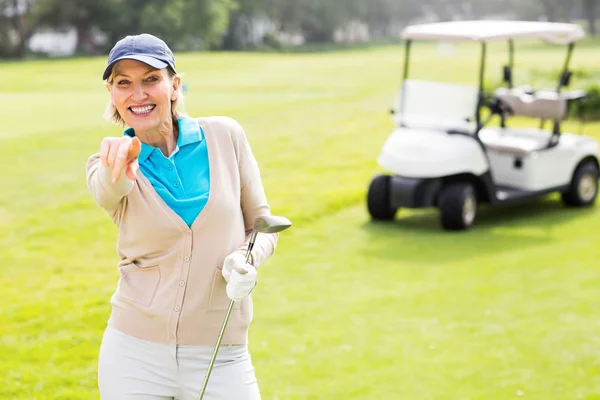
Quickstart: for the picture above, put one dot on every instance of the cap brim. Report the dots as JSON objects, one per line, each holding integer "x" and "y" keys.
{"x": 151, "y": 61}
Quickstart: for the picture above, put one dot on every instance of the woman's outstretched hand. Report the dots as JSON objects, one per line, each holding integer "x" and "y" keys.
{"x": 121, "y": 153}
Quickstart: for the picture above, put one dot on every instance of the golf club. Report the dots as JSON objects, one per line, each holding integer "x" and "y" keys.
{"x": 266, "y": 224}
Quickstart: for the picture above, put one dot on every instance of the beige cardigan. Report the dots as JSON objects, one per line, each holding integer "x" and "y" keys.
{"x": 171, "y": 289}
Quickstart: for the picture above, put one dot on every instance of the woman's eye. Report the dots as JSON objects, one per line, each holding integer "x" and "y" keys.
{"x": 152, "y": 79}
{"x": 123, "y": 82}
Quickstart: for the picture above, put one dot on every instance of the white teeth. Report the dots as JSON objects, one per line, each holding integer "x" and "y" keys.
{"x": 142, "y": 110}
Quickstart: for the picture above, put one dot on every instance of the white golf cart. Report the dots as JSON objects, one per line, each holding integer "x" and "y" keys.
{"x": 441, "y": 153}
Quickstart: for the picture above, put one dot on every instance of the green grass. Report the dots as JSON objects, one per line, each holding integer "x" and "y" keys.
{"x": 346, "y": 308}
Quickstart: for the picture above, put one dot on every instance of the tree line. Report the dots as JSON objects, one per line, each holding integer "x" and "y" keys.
{"x": 231, "y": 24}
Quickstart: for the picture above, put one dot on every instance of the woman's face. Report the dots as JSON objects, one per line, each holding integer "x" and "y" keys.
{"x": 142, "y": 94}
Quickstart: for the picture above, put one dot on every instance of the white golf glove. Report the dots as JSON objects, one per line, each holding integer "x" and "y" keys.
{"x": 240, "y": 276}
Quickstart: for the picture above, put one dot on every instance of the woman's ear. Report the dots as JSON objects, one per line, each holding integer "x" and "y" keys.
{"x": 176, "y": 87}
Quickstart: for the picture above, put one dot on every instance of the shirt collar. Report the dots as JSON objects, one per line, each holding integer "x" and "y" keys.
{"x": 189, "y": 132}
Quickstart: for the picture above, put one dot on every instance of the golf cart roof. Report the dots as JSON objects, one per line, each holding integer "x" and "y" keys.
{"x": 552, "y": 32}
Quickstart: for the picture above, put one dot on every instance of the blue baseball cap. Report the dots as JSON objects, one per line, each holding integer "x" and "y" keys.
{"x": 145, "y": 48}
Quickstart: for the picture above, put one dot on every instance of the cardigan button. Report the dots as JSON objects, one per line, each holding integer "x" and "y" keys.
{"x": 177, "y": 308}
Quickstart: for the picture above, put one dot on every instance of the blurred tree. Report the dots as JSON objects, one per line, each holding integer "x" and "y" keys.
{"x": 125, "y": 18}
{"x": 318, "y": 20}
{"x": 187, "y": 24}
{"x": 243, "y": 20}
{"x": 239, "y": 24}
{"x": 476, "y": 9}
{"x": 590, "y": 8}
{"x": 386, "y": 17}
{"x": 184, "y": 24}
{"x": 558, "y": 10}
{"x": 82, "y": 14}
{"x": 16, "y": 26}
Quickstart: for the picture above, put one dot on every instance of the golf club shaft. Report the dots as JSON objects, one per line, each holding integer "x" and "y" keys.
{"x": 214, "y": 356}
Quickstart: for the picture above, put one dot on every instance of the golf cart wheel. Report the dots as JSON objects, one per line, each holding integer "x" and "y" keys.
{"x": 378, "y": 198}
{"x": 458, "y": 206}
{"x": 584, "y": 186}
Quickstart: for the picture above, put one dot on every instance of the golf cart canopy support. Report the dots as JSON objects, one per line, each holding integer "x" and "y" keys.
{"x": 486, "y": 31}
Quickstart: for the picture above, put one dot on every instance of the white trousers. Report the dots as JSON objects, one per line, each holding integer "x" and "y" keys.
{"x": 130, "y": 368}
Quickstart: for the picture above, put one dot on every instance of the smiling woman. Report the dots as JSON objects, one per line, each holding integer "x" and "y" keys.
{"x": 142, "y": 97}
{"x": 124, "y": 83}
{"x": 184, "y": 193}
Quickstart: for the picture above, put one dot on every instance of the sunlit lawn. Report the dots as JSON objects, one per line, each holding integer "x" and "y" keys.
{"x": 347, "y": 308}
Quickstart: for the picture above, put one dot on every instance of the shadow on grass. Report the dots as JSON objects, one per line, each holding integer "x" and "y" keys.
{"x": 497, "y": 230}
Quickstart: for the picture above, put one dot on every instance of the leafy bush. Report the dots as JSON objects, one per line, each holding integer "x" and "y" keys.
{"x": 591, "y": 104}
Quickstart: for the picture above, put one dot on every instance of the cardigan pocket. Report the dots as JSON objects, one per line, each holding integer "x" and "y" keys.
{"x": 138, "y": 283}
{"x": 218, "y": 295}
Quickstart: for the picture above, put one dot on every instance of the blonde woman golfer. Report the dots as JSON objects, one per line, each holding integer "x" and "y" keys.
{"x": 183, "y": 193}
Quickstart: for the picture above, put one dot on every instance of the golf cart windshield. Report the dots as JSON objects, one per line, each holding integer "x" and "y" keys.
{"x": 436, "y": 105}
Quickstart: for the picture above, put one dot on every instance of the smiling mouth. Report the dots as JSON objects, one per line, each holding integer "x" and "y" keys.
{"x": 142, "y": 110}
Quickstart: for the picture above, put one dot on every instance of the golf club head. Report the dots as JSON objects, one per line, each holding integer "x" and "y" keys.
{"x": 271, "y": 224}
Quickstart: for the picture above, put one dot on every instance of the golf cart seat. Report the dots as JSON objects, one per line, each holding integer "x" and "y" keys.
{"x": 528, "y": 141}
{"x": 543, "y": 104}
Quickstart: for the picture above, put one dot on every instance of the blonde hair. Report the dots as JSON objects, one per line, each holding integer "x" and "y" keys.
{"x": 112, "y": 114}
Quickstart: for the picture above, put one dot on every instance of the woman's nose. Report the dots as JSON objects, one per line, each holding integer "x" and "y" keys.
{"x": 139, "y": 92}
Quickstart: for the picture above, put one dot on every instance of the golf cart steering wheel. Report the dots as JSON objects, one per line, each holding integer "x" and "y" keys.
{"x": 499, "y": 107}
{"x": 496, "y": 107}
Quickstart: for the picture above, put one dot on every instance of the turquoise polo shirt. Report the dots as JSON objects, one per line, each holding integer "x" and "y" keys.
{"x": 182, "y": 180}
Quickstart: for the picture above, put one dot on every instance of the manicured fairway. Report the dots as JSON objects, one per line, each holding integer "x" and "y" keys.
{"x": 346, "y": 308}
